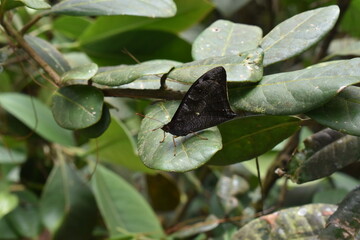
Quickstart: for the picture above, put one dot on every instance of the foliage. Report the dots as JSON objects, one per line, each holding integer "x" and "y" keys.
{"x": 78, "y": 163}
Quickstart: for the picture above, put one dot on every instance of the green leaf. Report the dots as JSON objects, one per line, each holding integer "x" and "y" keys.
{"x": 25, "y": 218}
{"x": 159, "y": 8}
{"x": 344, "y": 47}
{"x": 298, "y": 33}
{"x": 342, "y": 112}
{"x": 302, "y": 222}
{"x": 48, "y": 53}
{"x": 115, "y": 146}
{"x": 328, "y": 148}
{"x": 246, "y": 67}
{"x": 247, "y": 138}
{"x": 143, "y": 44}
{"x": 11, "y": 155}
{"x": 226, "y": 38}
{"x": 36, "y": 116}
{"x": 191, "y": 151}
{"x": 7, "y": 231}
{"x": 189, "y": 13}
{"x": 351, "y": 16}
{"x": 8, "y": 202}
{"x": 67, "y": 206}
{"x": 210, "y": 223}
{"x": 124, "y": 210}
{"x": 331, "y": 196}
{"x": 125, "y": 74}
{"x": 72, "y": 27}
{"x": 98, "y": 128}
{"x": 84, "y": 72}
{"x": 298, "y": 91}
{"x": 345, "y": 221}
{"x": 77, "y": 106}
{"x": 36, "y": 4}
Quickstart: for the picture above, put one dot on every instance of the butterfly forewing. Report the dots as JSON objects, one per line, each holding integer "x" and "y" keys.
{"x": 203, "y": 106}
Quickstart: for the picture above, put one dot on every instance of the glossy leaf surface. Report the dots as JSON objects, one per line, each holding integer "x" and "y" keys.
{"x": 226, "y": 38}
{"x": 190, "y": 152}
{"x": 341, "y": 113}
{"x": 36, "y": 116}
{"x": 247, "y": 138}
{"x": 124, "y": 210}
{"x": 77, "y": 106}
{"x": 298, "y": 91}
{"x": 298, "y": 33}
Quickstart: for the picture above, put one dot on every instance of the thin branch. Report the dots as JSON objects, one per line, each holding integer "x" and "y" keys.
{"x": 21, "y": 41}
{"x": 30, "y": 24}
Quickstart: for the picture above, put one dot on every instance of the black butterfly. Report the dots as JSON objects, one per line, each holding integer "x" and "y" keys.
{"x": 204, "y": 105}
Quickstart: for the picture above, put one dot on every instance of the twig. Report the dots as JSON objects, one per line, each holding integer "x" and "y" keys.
{"x": 143, "y": 93}
{"x": 280, "y": 161}
{"x": 30, "y": 24}
{"x": 21, "y": 41}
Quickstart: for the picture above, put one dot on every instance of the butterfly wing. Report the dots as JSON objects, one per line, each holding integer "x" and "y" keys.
{"x": 204, "y": 105}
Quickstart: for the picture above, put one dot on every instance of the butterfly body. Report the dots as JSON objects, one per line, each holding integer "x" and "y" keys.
{"x": 204, "y": 105}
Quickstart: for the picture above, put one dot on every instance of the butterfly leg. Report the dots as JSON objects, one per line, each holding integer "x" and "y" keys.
{"x": 202, "y": 138}
{"x": 163, "y": 138}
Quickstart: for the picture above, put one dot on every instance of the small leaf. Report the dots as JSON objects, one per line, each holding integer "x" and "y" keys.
{"x": 341, "y": 113}
{"x": 226, "y": 38}
{"x": 191, "y": 151}
{"x": 11, "y": 155}
{"x": 67, "y": 206}
{"x": 123, "y": 74}
{"x": 246, "y": 67}
{"x": 98, "y": 128}
{"x": 124, "y": 210}
{"x": 344, "y": 47}
{"x": 328, "y": 148}
{"x": 77, "y": 106}
{"x": 36, "y": 116}
{"x": 84, "y": 72}
{"x": 298, "y": 33}
{"x": 249, "y": 137}
{"x": 160, "y": 8}
{"x": 48, "y": 53}
{"x": 344, "y": 224}
{"x": 298, "y": 91}
{"x": 70, "y": 26}
{"x": 8, "y": 202}
{"x": 293, "y": 223}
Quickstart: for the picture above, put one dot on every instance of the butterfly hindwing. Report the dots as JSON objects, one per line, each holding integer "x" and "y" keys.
{"x": 203, "y": 106}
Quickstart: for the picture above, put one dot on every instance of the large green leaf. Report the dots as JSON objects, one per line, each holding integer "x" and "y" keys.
{"x": 36, "y": 116}
{"x": 246, "y": 138}
{"x": 298, "y": 33}
{"x": 351, "y": 16}
{"x": 108, "y": 49}
{"x": 189, "y": 12}
{"x": 115, "y": 146}
{"x": 190, "y": 151}
{"x": 11, "y": 155}
{"x": 70, "y": 26}
{"x": 67, "y": 205}
{"x": 159, "y": 8}
{"x": 48, "y": 53}
{"x": 123, "y": 74}
{"x": 329, "y": 149}
{"x": 302, "y": 222}
{"x": 77, "y": 106}
{"x": 298, "y": 91}
{"x": 26, "y": 218}
{"x": 246, "y": 67}
{"x": 124, "y": 210}
{"x": 342, "y": 112}
{"x": 226, "y": 38}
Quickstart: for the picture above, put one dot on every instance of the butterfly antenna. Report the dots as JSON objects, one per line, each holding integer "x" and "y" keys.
{"x": 130, "y": 55}
{"x": 142, "y": 115}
